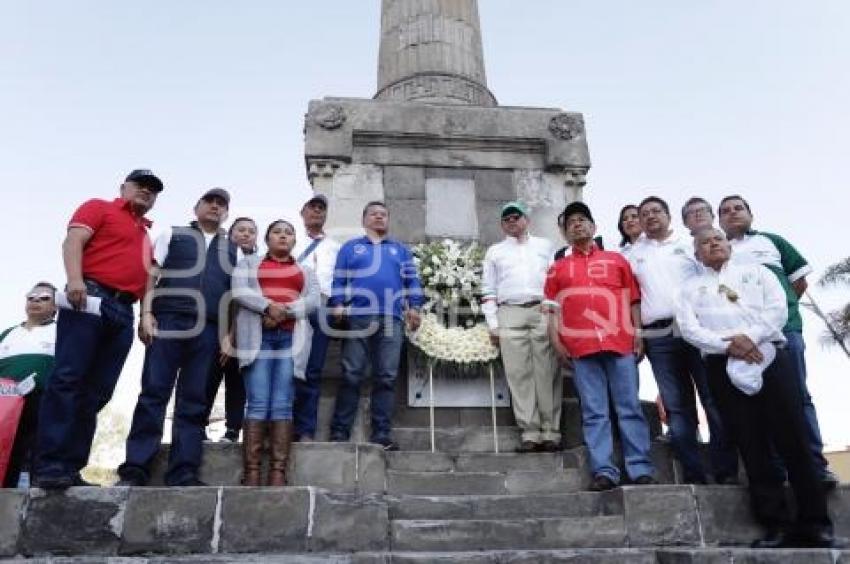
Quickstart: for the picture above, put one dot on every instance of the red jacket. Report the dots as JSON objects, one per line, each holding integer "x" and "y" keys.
{"x": 594, "y": 292}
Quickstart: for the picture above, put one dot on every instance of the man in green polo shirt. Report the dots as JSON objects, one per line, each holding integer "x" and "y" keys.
{"x": 25, "y": 349}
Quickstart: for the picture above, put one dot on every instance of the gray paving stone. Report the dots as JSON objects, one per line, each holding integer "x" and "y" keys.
{"x": 507, "y": 462}
{"x": 661, "y": 515}
{"x": 86, "y": 520}
{"x": 456, "y": 439}
{"x": 607, "y": 531}
{"x": 344, "y": 523}
{"x": 434, "y": 483}
{"x": 420, "y": 461}
{"x": 12, "y": 503}
{"x": 725, "y": 515}
{"x": 749, "y": 556}
{"x": 584, "y": 504}
{"x": 264, "y": 519}
{"x": 553, "y": 481}
{"x": 169, "y": 520}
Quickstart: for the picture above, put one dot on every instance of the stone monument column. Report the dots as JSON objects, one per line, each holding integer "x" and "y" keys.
{"x": 431, "y": 52}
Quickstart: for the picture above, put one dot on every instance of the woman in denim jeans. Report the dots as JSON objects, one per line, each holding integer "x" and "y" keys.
{"x": 274, "y": 295}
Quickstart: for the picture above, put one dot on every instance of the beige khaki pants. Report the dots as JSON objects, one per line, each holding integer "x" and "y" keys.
{"x": 532, "y": 372}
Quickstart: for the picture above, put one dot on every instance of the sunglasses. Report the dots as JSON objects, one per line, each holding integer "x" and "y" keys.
{"x": 39, "y": 298}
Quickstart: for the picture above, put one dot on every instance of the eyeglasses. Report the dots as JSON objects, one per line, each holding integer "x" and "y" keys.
{"x": 511, "y": 217}
{"x": 39, "y": 298}
{"x": 699, "y": 210}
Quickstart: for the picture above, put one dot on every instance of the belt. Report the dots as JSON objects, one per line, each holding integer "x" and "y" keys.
{"x": 660, "y": 324}
{"x": 126, "y": 298}
{"x": 532, "y": 303}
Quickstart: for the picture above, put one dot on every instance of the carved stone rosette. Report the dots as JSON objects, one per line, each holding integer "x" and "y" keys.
{"x": 328, "y": 117}
{"x": 566, "y": 126}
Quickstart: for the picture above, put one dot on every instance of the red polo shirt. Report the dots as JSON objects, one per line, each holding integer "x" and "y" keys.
{"x": 281, "y": 282}
{"x": 118, "y": 255}
{"x": 595, "y": 292}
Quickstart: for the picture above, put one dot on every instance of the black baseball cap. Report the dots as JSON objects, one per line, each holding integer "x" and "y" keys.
{"x": 145, "y": 177}
{"x": 573, "y": 208}
{"x": 217, "y": 193}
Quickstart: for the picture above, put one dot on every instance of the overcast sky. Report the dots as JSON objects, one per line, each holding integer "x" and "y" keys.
{"x": 679, "y": 98}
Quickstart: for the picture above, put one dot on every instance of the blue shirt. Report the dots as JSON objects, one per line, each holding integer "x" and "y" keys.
{"x": 375, "y": 279}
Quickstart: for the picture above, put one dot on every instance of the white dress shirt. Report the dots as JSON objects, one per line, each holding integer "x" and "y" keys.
{"x": 706, "y": 314}
{"x": 514, "y": 273}
{"x": 661, "y": 267}
{"x": 321, "y": 260}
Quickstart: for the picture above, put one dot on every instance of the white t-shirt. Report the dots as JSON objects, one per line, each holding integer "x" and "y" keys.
{"x": 661, "y": 268}
{"x": 38, "y": 340}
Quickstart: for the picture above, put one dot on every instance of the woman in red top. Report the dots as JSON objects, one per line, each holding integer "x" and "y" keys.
{"x": 272, "y": 291}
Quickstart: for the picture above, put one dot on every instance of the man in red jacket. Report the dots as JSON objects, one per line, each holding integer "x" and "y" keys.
{"x": 595, "y": 304}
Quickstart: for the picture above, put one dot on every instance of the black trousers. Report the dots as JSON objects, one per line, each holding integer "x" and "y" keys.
{"x": 234, "y": 392}
{"x": 773, "y": 416}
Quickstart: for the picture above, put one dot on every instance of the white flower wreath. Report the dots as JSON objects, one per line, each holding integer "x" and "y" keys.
{"x": 451, "y": 278}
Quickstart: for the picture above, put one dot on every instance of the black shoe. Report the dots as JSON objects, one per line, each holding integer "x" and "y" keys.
{"x": 602, "y": 483}
{"x": 549, "y": 446}
{"x": 829, "y": 480}
{"x": 645, "y": 480}
{"x": 190, "y": 483}
{"x": 821, "y": 539}
{"x": 130, "y": 482}
{"x": 54, "y": 483}
{"x": 773, "y": 539}
{"x": 386, "y": 444}
{"x": 231, "y": 436}
{"x": 527, "y": 446}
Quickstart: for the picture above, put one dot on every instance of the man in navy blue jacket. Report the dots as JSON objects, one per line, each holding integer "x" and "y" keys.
{"x": 377, "y": 288}
{"x": 179, "y": 325}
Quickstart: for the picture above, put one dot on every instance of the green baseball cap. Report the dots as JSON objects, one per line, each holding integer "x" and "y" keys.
{"x": 514, "y": 207}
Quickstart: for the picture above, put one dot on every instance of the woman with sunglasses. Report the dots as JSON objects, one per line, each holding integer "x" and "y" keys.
{"x": 272, "y": 292}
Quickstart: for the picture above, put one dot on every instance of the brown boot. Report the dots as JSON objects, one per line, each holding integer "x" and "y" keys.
{"x": 282, "y": 432}
{"x": 254, "y": 431}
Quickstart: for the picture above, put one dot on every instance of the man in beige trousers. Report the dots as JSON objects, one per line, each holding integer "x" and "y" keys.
{"x": 514, "y": 273}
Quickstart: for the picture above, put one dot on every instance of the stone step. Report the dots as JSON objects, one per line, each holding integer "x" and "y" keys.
{"x": 483, "y": 483}
{"x": 583, "y": 504}
{"x": 574, "y": 556}
{"x": 457, "y": 439}
{"x": 542, "y": 533}
{"x": 476, "y": 462}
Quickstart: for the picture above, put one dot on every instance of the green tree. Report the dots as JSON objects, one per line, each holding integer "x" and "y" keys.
{"x": 838, "y": 321}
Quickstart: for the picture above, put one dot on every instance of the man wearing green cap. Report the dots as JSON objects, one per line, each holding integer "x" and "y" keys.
{"x": 514, "y": 274}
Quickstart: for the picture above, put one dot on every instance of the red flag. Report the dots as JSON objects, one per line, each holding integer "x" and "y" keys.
{"x": 11, "y": 407}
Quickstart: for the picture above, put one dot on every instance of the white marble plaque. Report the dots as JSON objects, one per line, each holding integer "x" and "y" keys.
{"x": 451, "y": 208}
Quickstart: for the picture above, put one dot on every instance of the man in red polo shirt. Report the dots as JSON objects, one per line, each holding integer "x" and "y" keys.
{"x": 107, "y": 255}
{"x": 595, "y": 306}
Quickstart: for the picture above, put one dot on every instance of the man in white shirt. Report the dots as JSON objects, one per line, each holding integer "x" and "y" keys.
{"x": 514, "y": 274}
{"x": 317, "y": 252}
{"x": 734, "y": 313}
{"x": 662, "y": 261}
{"x": 27, "y": 349}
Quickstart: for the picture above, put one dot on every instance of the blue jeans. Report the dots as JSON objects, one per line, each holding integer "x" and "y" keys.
{"x": 380, "y": 341}
{"x": 268, "y": 380}
{"x": 678, "y": 369}
{"x": 90, "y": 353}
{"x": 595, "y": 375}
{"x": 307, "y": 391}
{"x": 170, "y": 361}
{"x": 796, "y": 349}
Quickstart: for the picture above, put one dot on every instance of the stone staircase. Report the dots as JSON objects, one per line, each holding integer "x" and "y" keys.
{"x": 355, "y": 503}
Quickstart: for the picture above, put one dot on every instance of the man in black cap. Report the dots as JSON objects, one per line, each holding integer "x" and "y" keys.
{"x": 107, "y": 257}
{"x": 192, "y": 272}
